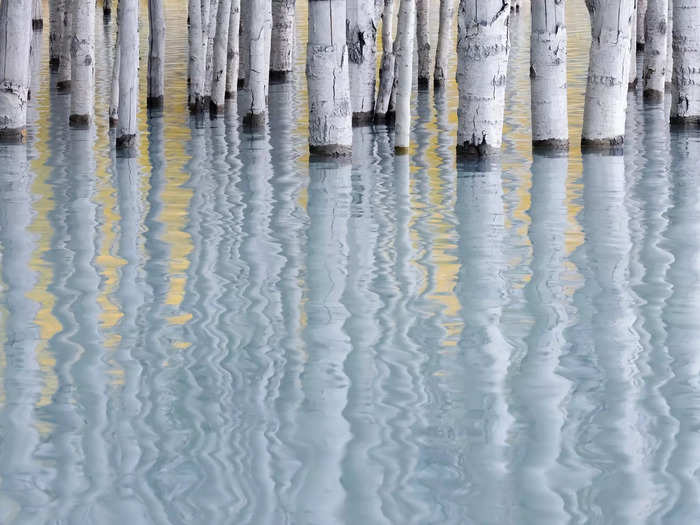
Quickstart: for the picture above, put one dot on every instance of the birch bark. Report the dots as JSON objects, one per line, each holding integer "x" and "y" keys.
{"x": 196, "y": 61}
{"x": 128, "y": 75}
{"x": 655, "y": 50}
{"x": 482, "y": 62}
{"x": 233, "y": 53}
{"x": 283, "y": 40}
{"x": 422, "y": 8}
{"x": 56, "y": 14}
{"x": 37, "y": 15}
{"x": 156, "y": 54}
{"x": 64, "y": 66}
{"x": 211, "y": 34}
{"x": 114, "y": 95}
{"x": 106, "y": 8}
{"x": 669, "y": 46}
{"x": 444, "y": 44}
{"x": 641, "y": 17}
{"x": 386, "y": 72}
{"x": 330, "y": 114}
{"x": 218, "y": 88}
{"x": 404, "y": 61}
{"x": 685, "y": 91}
{"x": 82, "y": 53}
{"x": 632, "y": 75}
{"x": 548, "y": 42}
{"x": 15, "y": 41}
{"x": 362, "y": 52}
{"x": 258, "y": 75}
{"x": 244, "y": 43}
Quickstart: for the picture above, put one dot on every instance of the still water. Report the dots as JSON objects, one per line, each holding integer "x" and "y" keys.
{"x": 219, "y": 331}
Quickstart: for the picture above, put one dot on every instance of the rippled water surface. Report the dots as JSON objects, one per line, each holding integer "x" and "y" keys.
{"x": 220, "y": 332}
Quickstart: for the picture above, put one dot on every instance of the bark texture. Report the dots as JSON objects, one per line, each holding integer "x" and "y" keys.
{"x": 244, "y": 42}
{"x": 233, "y": 53}
{"x": 482, "y": 62}
{"x": 669, "y": 45}
{"x": 128, "y": 75}
{"x": 64, "y": 66}
{"x": 362, "y": 52}
{"x": 213, "y": 10}
{"x": 37, "y": 15}
{"x": 632, "y": 75}
{"x": 444, "y": 44}
{"x": 404, "y": 62}
{"x": 218, "y": 89}
{"x": 258, "y": 75}
{"x": 641, "y": 17}
{"x": 82, "y": 54}
{"x": 386, "y": 72}
{"x": 197, "y": 57}
{"x": 114, "y": 95}
{"x": 423, "y": 41}
{"x": 56, "y": 14}
{"x": 685, "y": 100}
{"x": 156, "y": 54}
{"x": 330, "y": 114}
{"x": 283, "y": 39}
{"x": 654, "y": 74}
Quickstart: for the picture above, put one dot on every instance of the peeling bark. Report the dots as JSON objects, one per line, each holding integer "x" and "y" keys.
{"x": 128, "y": 76}
{"x": 361, "y": 34}
{"x": 258, "y": 75}
{"x": 82, "y": 53}
{"x": 423, "y": 41}
{"x": 444, "y": 45}
{"x": 685, "y": 92}
{"x": 233, "y": 52}
{"x": 404, "y": 61}
{"x": 156, "y": 54}
{"x": 655, "y": 49}
{"x": 218, "y": 88}
{"x": 386, "y": 72}
{"x": 283, "y": 40}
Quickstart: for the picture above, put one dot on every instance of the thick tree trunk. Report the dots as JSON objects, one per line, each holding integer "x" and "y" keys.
{"x": 632, "y": 75}
{"x": 669, "y": 46}
{"x": 330, "y": 114}
{"x": 404, "y": 61}
{"x": 233, "y": 53}
{"x": 283, "y": 40}
{"x": 156, "y": 54}
{"x": 37, "y": 15}
{"x": 641, "y": 17}
{"x": 197, "y": 57}
{"x": 608, "y": 73}
{"x": 218, "y": 88}
{"x": 444, "y": 44}
{"x": 258, "y": 75}
{"x": 128, "y": 76}
{"x": 82, "y": 53}
{"x": 362, "y": 52}
{"x": 386, "y": 72}
{"x": 482, "y": 63}
{"x": 56, "y": 14}
{"x": 63, "y": 80}
{"x": 15, "y": 41}
{"x": 548, "y": 40}
{"x": 423, "y": 41}
{"x": 244, "y": 43}
{"x": 114, "y": 95}
{"x": 685, "y": 93}
{"x": 655, "y": 49}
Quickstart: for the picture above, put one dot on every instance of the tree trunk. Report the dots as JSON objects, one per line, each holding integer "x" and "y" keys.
{"x": 669, "y": 46}
{"x": 423, "y": 40}
{"x": 211, "y": 34}
{"x": 128, "y": 76}
{"x": 114, "y": 95}
{"x": 56, "y": 15}
{"x": 548, "y": 40}
{"x": 362, "y": 52}
{"x": 608, "y": 73}
{"x": 404, "y": 61}
{"x": 685, "y": 99}
{"x": 283, "y": 40}
{"x": 156, "y": 54}
{"x": 196, "y": 63}
{"x": 82, "y": 53}
{"x": 444, "y": 44}
{"x": 106, "y": 8}
{"x": 482, "y": 62}
{"x": 218, "y": 88}
{"x": 258, "y": 75}
{"x": 37, "y": 15}
{"x": 641, "y": 17}
{"x": 655, "y": 50}
{"x": 330, "y": 114}
{"x": 632, "y": 75}
{"x": 386, "y": 72}
{"x": 233, "y": 53}
{"x": 64, "y": 66}
{"x": 244, "y": 43}
{"x": 15, "y": 40}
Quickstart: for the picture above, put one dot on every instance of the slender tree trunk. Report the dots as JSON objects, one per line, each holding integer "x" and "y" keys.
{"x": 669, "y": 46}
{"x": 423, "y": 40}
{"x": 655, "y": 50}
{"x": 56, "y": 14}
{"x": 641, "y": 17}
{"x": 548, "y": 40}
{"x": 685, "y": 93}
{"x": 362, "y": 52}
{"x": 386, "y": 72}
{"x": 258, "y": 76}
{"x": 156, "y": 54}
{"x": 114, "y": 95}
{"x": 15, "y": 41}
{"x": 330, "y": 113}
{"x": 82, "y": 104}
{"x": 233, "y": 53}
{"x": 128, "y": 75}
{"x": 444, "y": 44}
{"x": 63, "y": 81}
{"x": 632, "y": 75}
{"x": 37, "y": 15}
{"x": 196, "y": 62}
{"x": 283, "y": 40}
{"x": 211, "y": 34}
{"x": 106, "y": 8}
{"x": 244, "y": 43}
{"x": 218, "y": 89}
{"x": 608, "y": 73}
{"x": 482, "y": 63}
{"x": 404, "y": 61}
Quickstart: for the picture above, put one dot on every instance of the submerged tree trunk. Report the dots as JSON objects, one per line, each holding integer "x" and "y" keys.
{"x": 548, "y": 41}
{"x": 404, "y": 61}
{"x": 64, "y": 67}
{"x": 37, "y": 15}
{"x": 685, "y": 92}
{"x": 669, "y": 46}
{"x": 218, "y": 88}
{"x": 156, "y": 54}
{"x": 82, "y": 52}
{"x": 114, "y": 95}
{"x": 655, "y": 50}
{"x": 444, "y": 45}
{"x": 362, "y": 52}
{"x": 482, "y": 63}
{"x": 423, "y": 41}
{"x": 632, "y": 75}
{"x": 608, "y": 71}
{"x": 15, "y": 41}
{"x": 641, "y": 17}
{"x": 233, "y": 52}
{"x": 258, "y": 75}
{"x": 196, "y": 61}
{"x": 106, "y": 8}
{"x": 128, "y": 75}
{"x": 330, "y": 114}
{"x": 386, "y": 72}
{"x": 56, "y": 14}
{"x": 283, "y": 40}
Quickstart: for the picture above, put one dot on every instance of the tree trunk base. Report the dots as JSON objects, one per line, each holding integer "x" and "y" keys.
{"x": 79, "y": 121}
{"x": 254, "y": 121}
{"x": 37, "y": 24}
{"x": 229, "y": 95}
{"x": 423, "y": 82}
{"x": 216, "y": 110}
{"x": 330, "y": 151}
{"x": 548, "y": 146}
{"x": 12, "y": 135}
{"x": 632, "y": 85}
{"x": 362, "y": 118}
{"x": 241, "y": 83}
{"x": 54, "y": 63}
{"x": 107, "y": 12}
{"x": 113, "y": 122}
{"x": 63, "y": 86}
{"x": 155, "y": 102}
{"x": 439, "y": 83}
{"x": 611, "y": 146}
{"x": 126, "y": 146}
{"x": 280, "y": 77}
{"x": 387, "y": 118}
{"x": 668, "y": 86}
{"x": 653, "y": 95}
{"x": 640, "y": 46}
{"x": 475, "y": 151}
{"x": 401, "y": 150}
{"x": 691, "y": 122}
{"x": 197, "y": 106}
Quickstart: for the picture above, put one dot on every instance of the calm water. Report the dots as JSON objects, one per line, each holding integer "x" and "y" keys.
{"x": 220, "y": 332}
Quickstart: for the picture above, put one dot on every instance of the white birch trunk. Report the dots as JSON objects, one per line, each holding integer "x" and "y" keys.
{"x": 444, "y": 43}
{"x": 82, "y": 53}
{"x": 128, "y": 75}
{"x": 244, "y": 43}
{"x": 654, "y": 74}
{"x": 15, "y": 41}
{"x": 218, "y": 88}
{"x": 685, "y": 92}
{"x": 386, "y": 72}
{"x": 362, "y": 52}
{"x": 196, "y": 61}
{"x": 669, "y": 46}
{"x": 114, "y": 95}
{"x": 423, "y": 41}
{"x": 106, "y": 8}
{"x": 56, "y": 14}
{"x": 37, "y": 15}
{"x": 156, "y": 54}
{"x": 233, "y": 53}
{"x": 548, "y": 42}
{"x": 404, "y": 61}
{"x": 258, "y": 75}
{"x": 482, "y": 63}
{"x": 283, "y": 40}
{"x": 608, "y": 73}
{"x": 641, "y": 17}
{"x": 330, "y": 114}
{"x": 632, "y": 75}
{"x": 64, "y": 67}
{"x": 211, "y": 34}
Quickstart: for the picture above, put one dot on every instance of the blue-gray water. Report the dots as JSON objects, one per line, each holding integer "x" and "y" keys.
{"x": 220, "y": 332}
